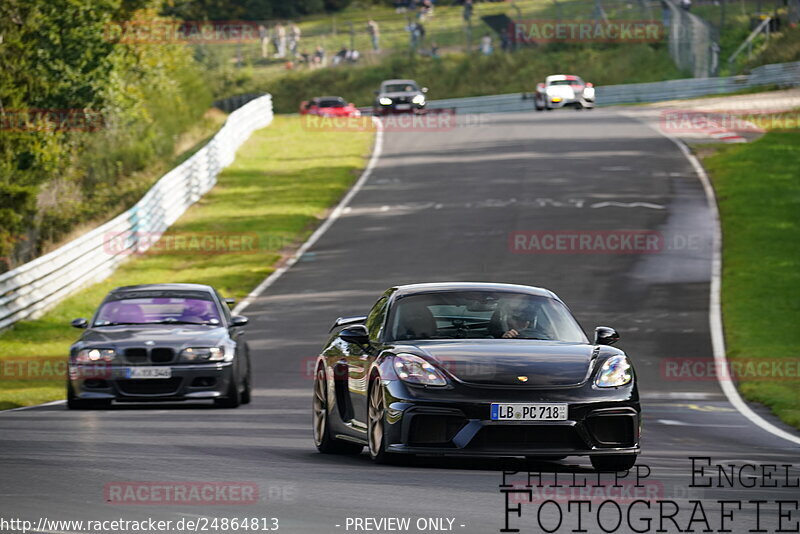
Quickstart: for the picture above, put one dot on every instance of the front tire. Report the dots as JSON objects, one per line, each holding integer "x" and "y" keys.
{"x": 232, "y": 398}
{"x": 375, "y": 428}
{"x": 76, "y": 403}
{"x": 617, "y": 462}
{"x": 323, "y": 440}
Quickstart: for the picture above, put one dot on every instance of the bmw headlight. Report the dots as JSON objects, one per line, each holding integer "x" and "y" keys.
{"x": 385, "y": 101}
{"x": 419, "y": 99}
{"x": 204, "y": 354}
{"x": 616, "y": 371}
{"x": 95, "y": 356}
{"x": 415, "y": 370}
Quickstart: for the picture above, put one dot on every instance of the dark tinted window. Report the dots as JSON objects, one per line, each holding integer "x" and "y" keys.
{"x": 482, "y": 314}
{"x": 158, "y": 310}
{"x": 332, "y": 103}
{"x": 400, "y": 88}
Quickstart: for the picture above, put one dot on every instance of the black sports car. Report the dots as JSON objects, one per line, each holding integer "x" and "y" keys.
{"x": 399, "y": 96}
{"x": 160, "y": 342}
{"x": 475, "y": 369}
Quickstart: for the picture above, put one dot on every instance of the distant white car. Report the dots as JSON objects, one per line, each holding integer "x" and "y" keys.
{"x": 562, "y": 90}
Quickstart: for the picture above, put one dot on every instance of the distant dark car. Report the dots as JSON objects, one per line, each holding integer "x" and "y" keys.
{"x": 475, "y": 369}
{"x": 399, "y": 96}
{"x": 329, "y": 106}
{"x": 160, "y": 342}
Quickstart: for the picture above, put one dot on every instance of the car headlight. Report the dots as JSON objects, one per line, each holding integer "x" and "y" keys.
{"x": 95, "y": 356}
{"x": 203, "y": 354}
{"x": 588, "y": 92}
{"x": 616, "y": 371}
{"x": 385, "y": 101}
{"x": 415, "y": 370}
{"x": 419, "y": 99}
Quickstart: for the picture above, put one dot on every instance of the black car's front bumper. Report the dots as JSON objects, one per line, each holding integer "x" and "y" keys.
{"x": 430, "y": 421}
{"x": 187, "y": 382}
{"x": 392, "y": 109}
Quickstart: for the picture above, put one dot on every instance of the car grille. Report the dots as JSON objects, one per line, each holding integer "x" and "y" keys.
{"x": 401, "y": 99}
{"x": 526, "y": 437}
{"x": 434, "y": 429}
{"x": 154, "y": 386}
{"x": 136, "y": 355}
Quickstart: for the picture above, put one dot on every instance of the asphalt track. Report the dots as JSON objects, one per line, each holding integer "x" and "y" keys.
{"x": 438, "y": 206}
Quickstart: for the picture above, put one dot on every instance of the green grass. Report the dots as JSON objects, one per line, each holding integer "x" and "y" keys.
{"x": 283, "y": 180}
{"x": 758, "y": 191}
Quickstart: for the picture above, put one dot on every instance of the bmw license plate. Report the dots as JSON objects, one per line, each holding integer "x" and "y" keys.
{"x": 402, "y": 106}
{"x": 148, "y": 372}
{"x": 529, "y": 412}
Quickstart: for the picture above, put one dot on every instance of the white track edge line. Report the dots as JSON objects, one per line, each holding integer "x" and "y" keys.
{"x": 335, "y": 214}
{"x": 715, "y": 307}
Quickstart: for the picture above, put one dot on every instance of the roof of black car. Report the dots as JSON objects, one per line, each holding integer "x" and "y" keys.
{"x": 164, "y": 287}
{"x": 410, "y": 289}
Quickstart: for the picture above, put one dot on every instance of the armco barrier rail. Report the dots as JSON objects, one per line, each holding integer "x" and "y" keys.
{"x": 777, "y": 74}
{"x": 30, "y": 289}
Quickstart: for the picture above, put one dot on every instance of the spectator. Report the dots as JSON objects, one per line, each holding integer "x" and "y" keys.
{"x": 263, "y": 37}
{"x": 486, "y": 44}
{"x": 294, "y": 38}
{"x": 666, "y": 14}
{"x": 505, "y": 40}
{"x": 280, "y": 40}
{"x": 468, "y": 10}
{"x": 319, "y": 56}
{"x": 340, "y": 56}
{"x": 374, "y": 34}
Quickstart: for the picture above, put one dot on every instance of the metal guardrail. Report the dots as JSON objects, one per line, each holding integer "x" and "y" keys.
{"x": 32, "y": 288}
{"x": 777, "y": 74}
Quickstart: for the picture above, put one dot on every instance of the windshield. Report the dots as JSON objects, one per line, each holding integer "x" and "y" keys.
{"x": 566, "y": 82}
{"x": 399, "y": 88}
{"x": 332, "y": 103}
{"x": 482, "y": 314}
{"x": 157, "y": 310}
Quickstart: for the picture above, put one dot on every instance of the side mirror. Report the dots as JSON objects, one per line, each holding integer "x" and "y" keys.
{"x": 605, "y": 335}
{"x": 424, "y": 89}
{"x": 79, "y": 323}
{"x": 230, "y": 302}
{"x": 376, "y": 92}
{"x": 238, "y": 320}
{"x": 356, "y": 334}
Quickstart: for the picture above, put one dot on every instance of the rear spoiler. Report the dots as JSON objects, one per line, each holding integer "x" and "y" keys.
{"x": 345, "y": 321}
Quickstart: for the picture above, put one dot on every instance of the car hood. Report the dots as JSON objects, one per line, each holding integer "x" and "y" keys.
{"x": 503, "y": 362}
{"x": 411, "y": 94}
{"x": 564, "y": 91}
{"x": 177, "y": 336}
